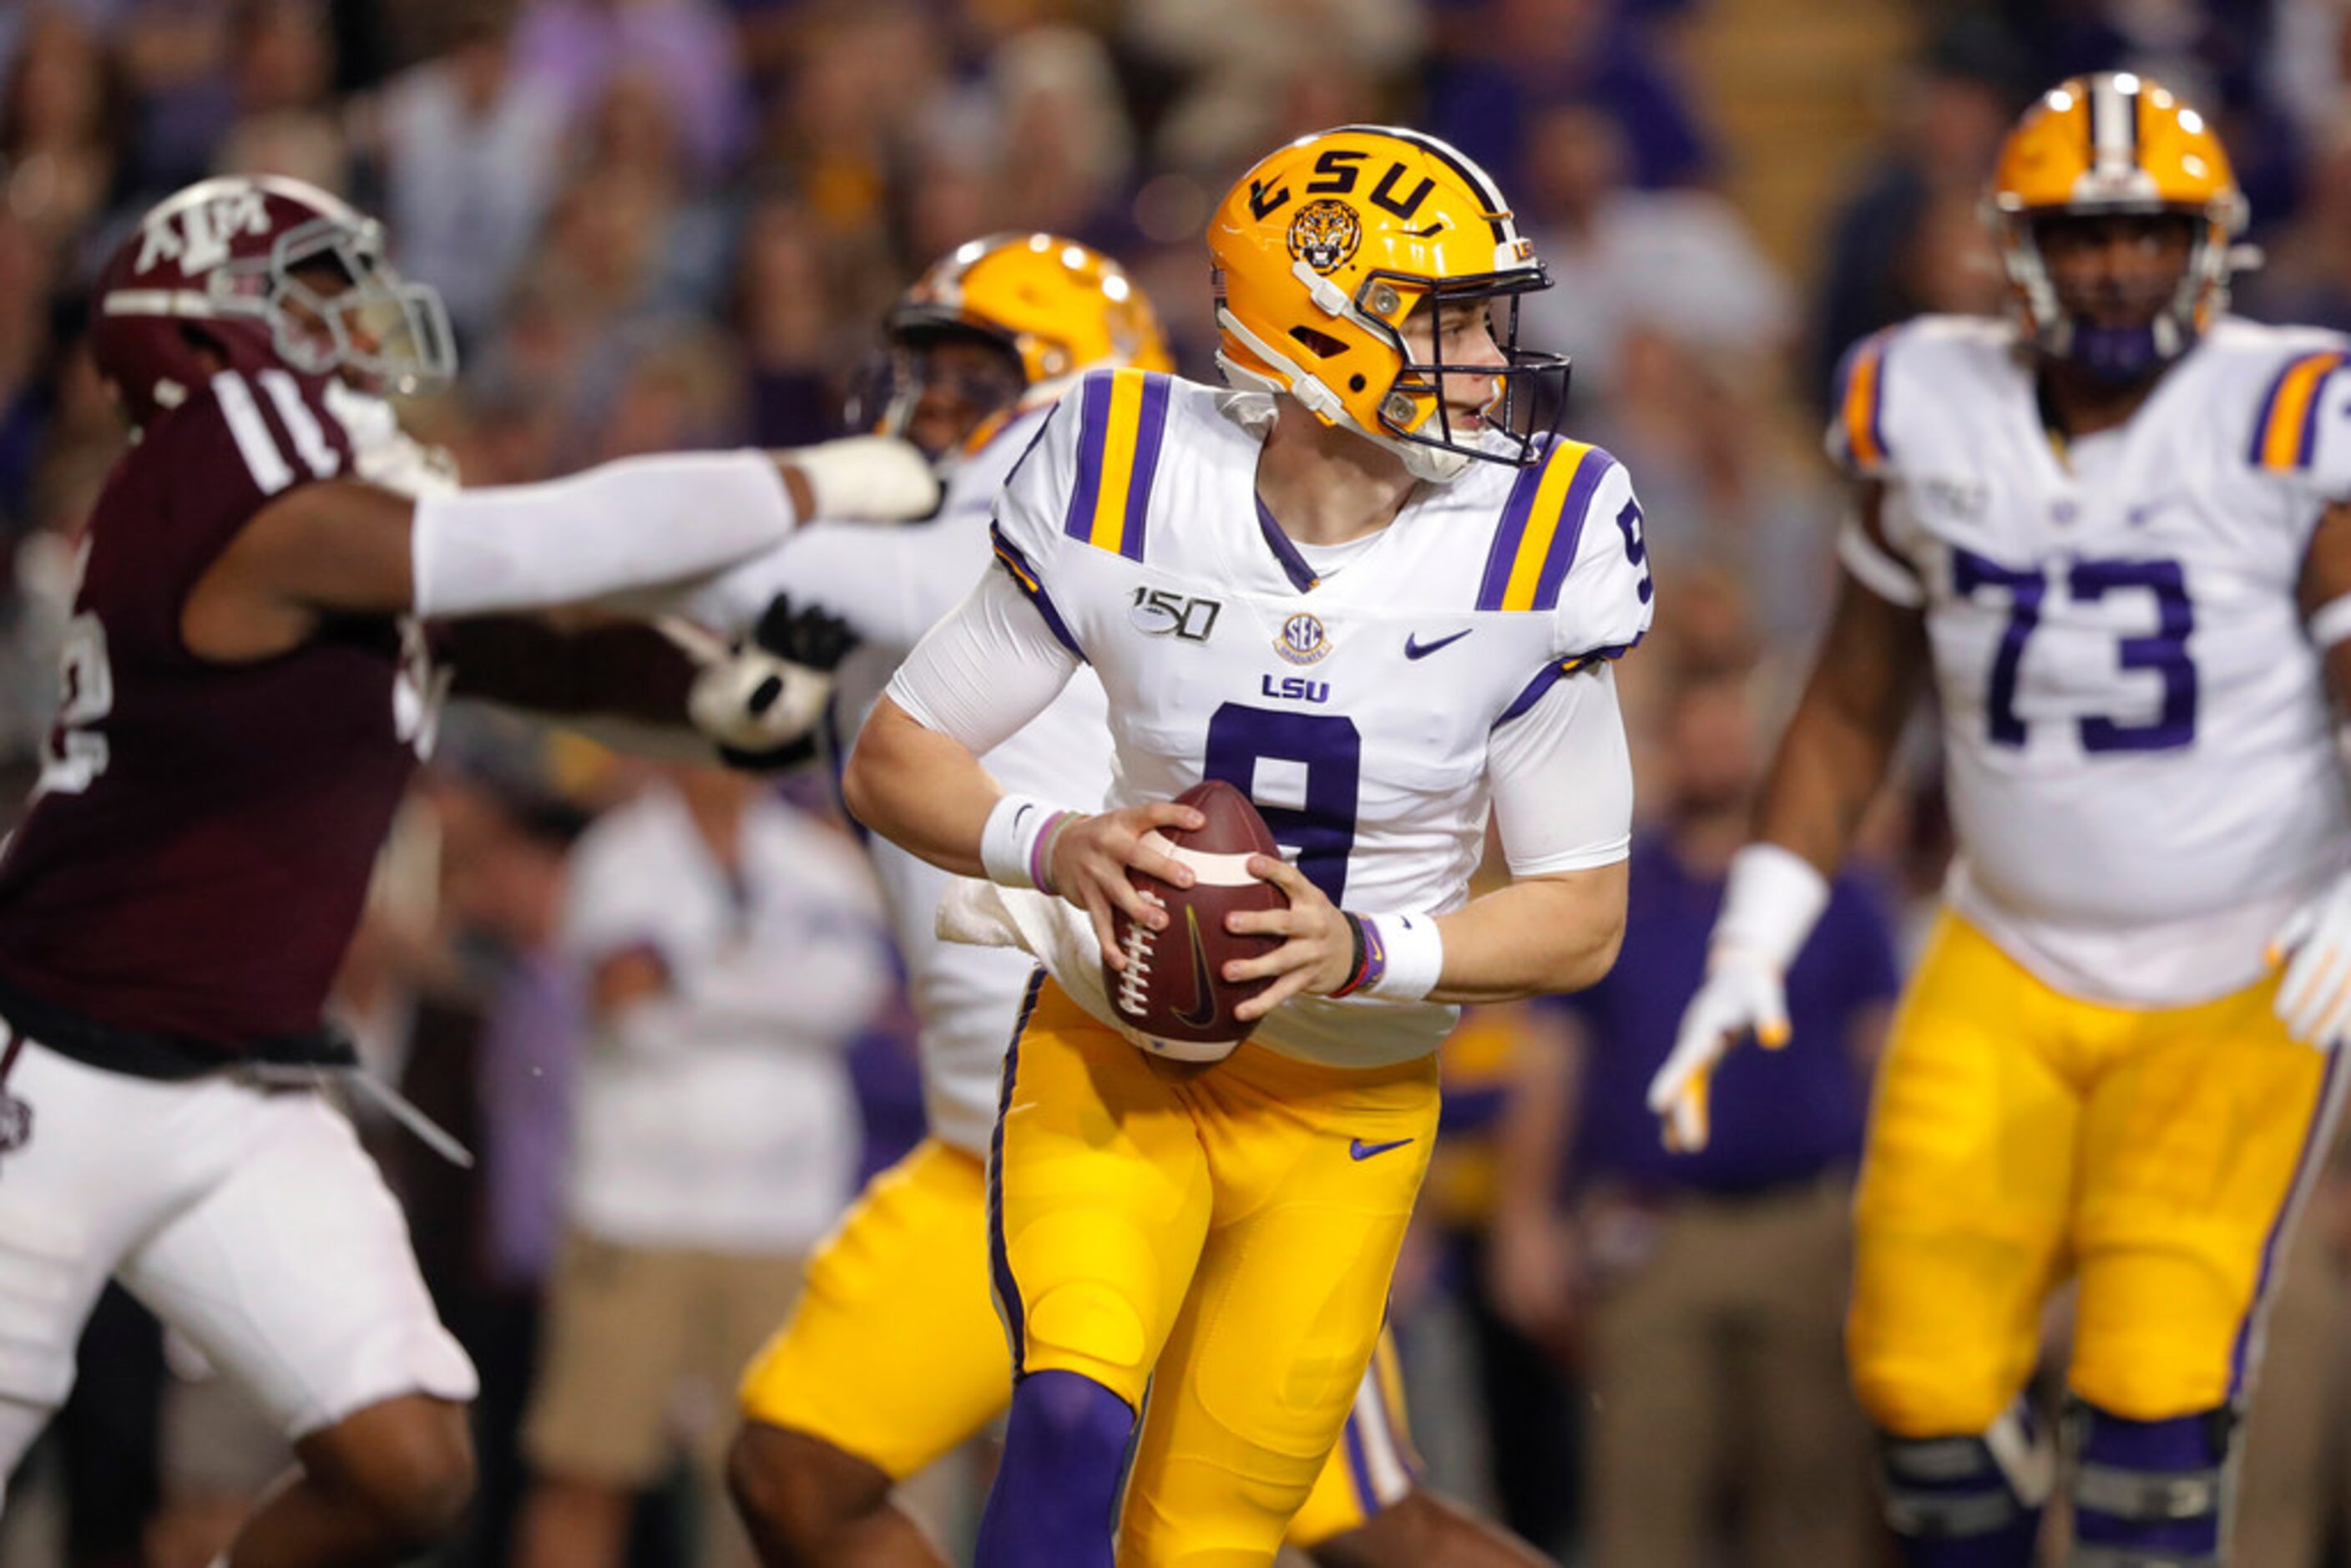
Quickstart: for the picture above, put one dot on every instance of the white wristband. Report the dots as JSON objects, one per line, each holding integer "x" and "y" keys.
{"x": 1017, "y": 834}
{"x": 1403, "y": 956}
{"x": 1771, "y": 902}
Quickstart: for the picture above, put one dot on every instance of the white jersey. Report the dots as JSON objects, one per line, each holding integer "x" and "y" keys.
{"x": 891, "y": 585}
{"x": 2142, "y": 766}
{"x": 1359, "y": 710}
{"x": 719, "y": 1114}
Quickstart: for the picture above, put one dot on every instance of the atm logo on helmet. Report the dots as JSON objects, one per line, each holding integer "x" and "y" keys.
{"x": 198, "y": 236}
{"x": 1324, "y": 234}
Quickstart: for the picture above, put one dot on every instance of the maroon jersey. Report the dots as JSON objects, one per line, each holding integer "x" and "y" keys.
{"x": 202, "y": 836}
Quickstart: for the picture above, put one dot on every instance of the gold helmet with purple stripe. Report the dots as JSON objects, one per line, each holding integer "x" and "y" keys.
{"x": 2115, "y": 144}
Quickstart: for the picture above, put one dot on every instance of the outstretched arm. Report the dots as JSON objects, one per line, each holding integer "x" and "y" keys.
{"x": 345, "y": 547}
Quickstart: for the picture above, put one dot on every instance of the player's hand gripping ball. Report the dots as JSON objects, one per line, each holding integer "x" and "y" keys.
{"x": 1170, "y": 987}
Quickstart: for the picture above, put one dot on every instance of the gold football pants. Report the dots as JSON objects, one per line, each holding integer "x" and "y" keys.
{"x": 2019, "y": 1135}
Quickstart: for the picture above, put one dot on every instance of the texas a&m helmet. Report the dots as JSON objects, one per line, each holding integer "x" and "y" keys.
{"x": 261, "y": 272}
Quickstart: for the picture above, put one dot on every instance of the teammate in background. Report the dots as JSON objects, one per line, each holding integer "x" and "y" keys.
{"x": 246, "y": 694}
{"x": 1363, "y": 596}
{"x": 2113, "y": 531}
{"x": 894, "y": 1356}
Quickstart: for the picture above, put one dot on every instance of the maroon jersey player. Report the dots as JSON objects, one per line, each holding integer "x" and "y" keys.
{"x": 247, "y": 685}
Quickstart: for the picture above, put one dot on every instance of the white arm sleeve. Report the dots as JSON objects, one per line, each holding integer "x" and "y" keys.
{"x": 889, "y": 584}
{"x": 988, "y": 668}
{"x": 626, "y": 525}
{"x": 1563, "y": 779}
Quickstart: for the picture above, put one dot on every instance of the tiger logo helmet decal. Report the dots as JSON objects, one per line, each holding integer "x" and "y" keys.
{"x": 1324, "y": 234}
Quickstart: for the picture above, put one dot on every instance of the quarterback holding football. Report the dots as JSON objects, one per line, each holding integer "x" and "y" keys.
{"x": 893, "y": 1355}
{"x": 1362, "y": 590}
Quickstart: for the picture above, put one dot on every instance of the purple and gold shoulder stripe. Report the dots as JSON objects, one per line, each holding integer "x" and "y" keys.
{"x": 1123, "y": 420}
{"x": 1860, "y": 431}
{"x": 2286, "y": 435}
{"x": 1542, "y": 521}
{"x": 1024, "y": 575}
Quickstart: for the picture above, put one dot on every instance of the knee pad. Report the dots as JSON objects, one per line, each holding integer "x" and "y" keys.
{"x": 2150, "y": 1494}
{"x": 1968, "y": 1501}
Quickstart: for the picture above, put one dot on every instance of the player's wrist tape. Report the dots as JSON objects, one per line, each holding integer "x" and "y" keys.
{"x": 2331, "y": 622}
{"x": 1015, "y": 845}
{"x": 1398, "y": 958}
{"x": 1771, "y": 901}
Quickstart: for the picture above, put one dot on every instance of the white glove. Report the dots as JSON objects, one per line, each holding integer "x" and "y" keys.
{"x": 1771, "y": 898}
{"x": 752, "y": 703}
{"x": 1742, "y": 995}
{"x": 868, "y": 478}
{"x": 2314, "y": 997}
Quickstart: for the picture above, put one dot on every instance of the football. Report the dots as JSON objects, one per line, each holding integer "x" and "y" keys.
{"x": 1171, "y": 988}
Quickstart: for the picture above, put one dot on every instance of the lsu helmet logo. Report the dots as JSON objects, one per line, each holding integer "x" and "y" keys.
{"x": 1324, "y": 234}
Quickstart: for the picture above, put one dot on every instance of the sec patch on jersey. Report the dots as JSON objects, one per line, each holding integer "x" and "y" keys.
{"x": 1171, "y": 988}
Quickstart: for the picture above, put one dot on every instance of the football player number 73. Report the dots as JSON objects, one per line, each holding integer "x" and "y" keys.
{"x": 2163, "y": 653}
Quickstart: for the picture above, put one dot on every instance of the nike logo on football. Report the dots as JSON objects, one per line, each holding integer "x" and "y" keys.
{"x": 1415, "y": 649}
{"x": 1359, "y": 1150}
{"x": 1204, "y": 982}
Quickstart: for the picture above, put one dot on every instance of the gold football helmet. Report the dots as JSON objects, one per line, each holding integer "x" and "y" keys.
{"x": 1323, "y": 249}
{"x": 2116, "y": 144}
{"x": 1057, "y": 307}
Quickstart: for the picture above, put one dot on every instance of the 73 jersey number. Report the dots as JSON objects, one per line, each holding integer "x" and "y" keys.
{"x": 2162, "y": 653}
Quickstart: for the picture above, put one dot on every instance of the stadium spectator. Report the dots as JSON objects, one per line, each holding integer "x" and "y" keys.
{"x": 1707, "y": 1290}
{"x": 472, "y": 151}
{"x": 1954, "y": 108}
{"x": 2307, "y": 275}
{"x": 579, "y": 47}
{"x": 1509, "y": 57}
{"x": 60, "y": 120}
{"x": 733, "y": 950}
{"x": 1523, "y": 1401}
{"x": 1679, "y": 262}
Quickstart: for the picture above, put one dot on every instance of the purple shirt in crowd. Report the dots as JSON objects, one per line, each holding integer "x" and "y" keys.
{"x": 1778, "y": 1115}
{"x": 527, "y": 1059}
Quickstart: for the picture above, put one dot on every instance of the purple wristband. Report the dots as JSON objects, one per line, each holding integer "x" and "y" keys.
{"x": 1040, "y": 850}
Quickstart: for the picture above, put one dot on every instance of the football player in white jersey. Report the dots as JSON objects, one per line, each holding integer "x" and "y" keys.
{"x": 1358, "y": 591}
{"x": 2111, "y": 532}
{"x": 894, "y": 1356}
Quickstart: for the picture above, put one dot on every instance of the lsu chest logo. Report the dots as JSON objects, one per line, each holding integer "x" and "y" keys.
{"x": 1303, "y": 640}
{"x": 1324, "y": 234}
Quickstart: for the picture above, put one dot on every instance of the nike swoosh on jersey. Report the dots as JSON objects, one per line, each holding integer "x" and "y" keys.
{"x": 1359, "y": 1150}
{"x": 1415, "y": 649}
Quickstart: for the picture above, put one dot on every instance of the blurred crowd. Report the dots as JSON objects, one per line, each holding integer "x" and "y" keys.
{"x": 666, "y": 224}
